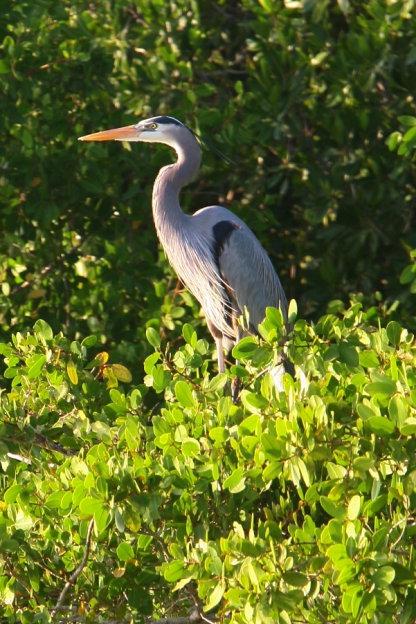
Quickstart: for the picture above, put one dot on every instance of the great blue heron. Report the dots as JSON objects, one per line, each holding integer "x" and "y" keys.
{"x": 213, "y": 251}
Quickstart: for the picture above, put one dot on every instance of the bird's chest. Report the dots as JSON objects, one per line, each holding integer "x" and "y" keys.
{"x": 192, "y": 258}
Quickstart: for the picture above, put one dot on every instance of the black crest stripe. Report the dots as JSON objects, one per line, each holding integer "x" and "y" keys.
{"x": 167, "y": 120}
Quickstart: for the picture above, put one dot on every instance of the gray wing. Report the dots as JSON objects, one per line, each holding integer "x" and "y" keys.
{"x": 247, "y": 270}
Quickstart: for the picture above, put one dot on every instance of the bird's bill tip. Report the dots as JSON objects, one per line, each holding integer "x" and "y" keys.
{"x": 126, "y": 133}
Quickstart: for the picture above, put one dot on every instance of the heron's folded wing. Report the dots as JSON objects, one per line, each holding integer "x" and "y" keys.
{"x": 248, "y": 271}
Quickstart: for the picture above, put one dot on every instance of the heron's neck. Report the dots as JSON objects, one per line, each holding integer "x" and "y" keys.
{"x": 167, "y": 213}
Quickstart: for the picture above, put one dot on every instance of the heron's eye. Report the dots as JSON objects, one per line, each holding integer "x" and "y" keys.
{"x": 153, "y": 126}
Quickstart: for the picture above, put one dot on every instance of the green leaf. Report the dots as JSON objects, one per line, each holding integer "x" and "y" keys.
{"x": 385, "y": 387}
{"x": 408, "y": 428}
{"x": 368, "y": 359}
{"x": 272, "y": 447}
{"x": 354, "y": 506}
{"x": 119, "y": 520}
{"x": 174, "y": 571}
{"x": 89, "y": 506}
{"x": 218, "y": 382}
{"x": 72, "y": 372}
{"x": 125, "y": 551}
{"x": 347, "y": 572}
{"x": 66, "y": 501}
{"x": 348, "y": 354}
{"x": 381, "y": 426}
{"x": 408, "y": 274}
{"x": 153, "y": 337}
{"x": 89, "y": 341}
{"x": 407, "y": 120}
{"x": 10, "y": 373}
{"x": 183, "y": 393}
{"x": 402, "y": 574}
{"x": 394, "y": 331}
{"x": 393, "y": 140}
{"x": 215, "y": 596}
{"x": 190, "y": 447}
{"x": 337, "y": 552}
{"x": 410, "y": 135}
{"x": 219, "y": 434}
{"x": 235, "y": 482}
{"x": 43, "y": 331}
{"x": 12, "y": 492}
{"x": 249, "y": 424}
{"x": 333, "y": 509}
{"x": 189, "y": 335}
{"x": 275, "y": 317}
{"x": 272, "y": 471}
{"x": 36, "y": 366}
{"x": 366, "y": 411}
{"x": 150, "y": 362}
{"x": 296, "y": 579}
{"x": 384, "y": 576}
{"x": 53, "y": 501}
{"x": 376, "y": 505}
{"x": 245, "y": 349}
{"x": 122, "y": 373}
{"x": 398, "y": 410}
{"x": 292, "y": 312}
{"x": 253, "y": 401}
{"x": 101, "y": 519}
{"x": 363, "y": 463}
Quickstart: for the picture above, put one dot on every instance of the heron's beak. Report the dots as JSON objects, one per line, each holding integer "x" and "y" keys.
{"x": 127, "y": 133}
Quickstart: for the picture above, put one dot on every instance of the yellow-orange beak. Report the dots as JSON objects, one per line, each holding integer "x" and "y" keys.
{"x": 126, "y": 133}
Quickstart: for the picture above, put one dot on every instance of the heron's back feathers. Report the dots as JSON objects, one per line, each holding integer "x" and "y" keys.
{"x": 223, "y": 264}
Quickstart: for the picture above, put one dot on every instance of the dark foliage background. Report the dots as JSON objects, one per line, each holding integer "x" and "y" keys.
{"x": 303, "y": 96}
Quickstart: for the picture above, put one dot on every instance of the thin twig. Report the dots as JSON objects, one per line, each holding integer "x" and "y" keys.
{"x": 40, "y": 441}
{"x": 77, "y": 572}
{"x": 195, "y": 618}
{"x": 43, "y": 442}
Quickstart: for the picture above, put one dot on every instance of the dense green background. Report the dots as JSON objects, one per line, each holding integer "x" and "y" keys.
{"x": 303, "y": 100}
{"x": 314, "y": 101}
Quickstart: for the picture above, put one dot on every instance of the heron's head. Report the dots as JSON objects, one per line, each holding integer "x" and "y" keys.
{"x": 167, "y": 130}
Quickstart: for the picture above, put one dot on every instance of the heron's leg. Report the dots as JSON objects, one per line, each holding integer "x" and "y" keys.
{"x": 236, "y": 382}
{"x": 235, "y": 389}
{"x": 220, "y": 355}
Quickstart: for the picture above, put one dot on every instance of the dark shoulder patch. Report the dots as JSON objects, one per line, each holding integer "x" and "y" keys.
{"x": 162, "y": 119}
{"x": 222, "y": 232}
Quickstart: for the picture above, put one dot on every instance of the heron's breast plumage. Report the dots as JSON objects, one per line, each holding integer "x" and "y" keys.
{"x": 193, "y": 253}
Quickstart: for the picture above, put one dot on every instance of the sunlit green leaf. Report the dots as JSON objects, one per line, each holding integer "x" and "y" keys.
{"x": 72, "y": 372}
{"x": 125, "y": 551}
{"x": 336, "y": 510}
{"x": 183, "y": 393}
{"x": 380, "y": 425}
{"x": 190, "y": 447}
{"x": 36, "y": 366}
{"x": 235, "y": 482}
{"x": 153, "y": 337}
{"x": 353, "y": 509}
{"x": 122, "y": 373}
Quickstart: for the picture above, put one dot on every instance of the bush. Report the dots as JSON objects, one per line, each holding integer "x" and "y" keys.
{"x": 291, "y": 506}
